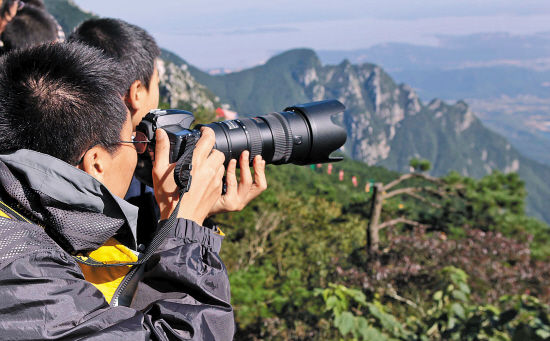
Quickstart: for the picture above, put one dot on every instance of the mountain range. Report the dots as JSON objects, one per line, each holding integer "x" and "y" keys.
{"x": 505, "y": 78}
{"x": 454, "y": 52}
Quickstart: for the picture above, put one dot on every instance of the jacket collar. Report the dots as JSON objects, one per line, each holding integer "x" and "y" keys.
{"x": 60, "y": 185}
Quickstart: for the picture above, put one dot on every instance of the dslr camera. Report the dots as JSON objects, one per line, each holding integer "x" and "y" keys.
{"x": 301, "y": 134}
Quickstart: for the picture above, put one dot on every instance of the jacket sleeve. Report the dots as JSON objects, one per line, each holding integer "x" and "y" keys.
{"x": 184, "y": 295}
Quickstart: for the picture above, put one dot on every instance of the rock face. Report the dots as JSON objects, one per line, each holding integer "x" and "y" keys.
{"x": 376, "y": 107}
{"x": 179, "y": 89}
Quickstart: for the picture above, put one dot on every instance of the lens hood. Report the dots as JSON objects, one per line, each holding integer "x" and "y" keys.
{"x": 325, "y": 136}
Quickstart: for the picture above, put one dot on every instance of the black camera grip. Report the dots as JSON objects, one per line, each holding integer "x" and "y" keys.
{"x": 182, "y": 172}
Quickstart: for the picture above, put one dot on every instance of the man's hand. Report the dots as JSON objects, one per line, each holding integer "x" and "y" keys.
{"x": 206, "y": 182}
{"x": 237, "y": 196}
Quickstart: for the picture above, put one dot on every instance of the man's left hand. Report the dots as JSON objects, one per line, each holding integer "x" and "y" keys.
{"x": 238, "y": 195}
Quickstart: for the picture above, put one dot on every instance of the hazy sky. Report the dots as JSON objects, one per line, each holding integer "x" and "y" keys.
{"x": 238, "y": 33}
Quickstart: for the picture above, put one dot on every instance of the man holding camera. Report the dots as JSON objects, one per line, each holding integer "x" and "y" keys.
{"x": 69, "y": 263}
{"x": 136, "y": 51}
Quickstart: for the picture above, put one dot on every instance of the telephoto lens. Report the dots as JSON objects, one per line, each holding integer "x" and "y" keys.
{"x": 301, "y": 134}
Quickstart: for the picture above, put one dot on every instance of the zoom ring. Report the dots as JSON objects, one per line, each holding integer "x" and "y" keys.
{"x": 255, "y": 140}
{"x": 287, "y": 148}
{"x": 279, "y": 137}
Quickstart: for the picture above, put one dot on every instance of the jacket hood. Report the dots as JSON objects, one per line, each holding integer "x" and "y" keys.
{"x": 76, "y": 210}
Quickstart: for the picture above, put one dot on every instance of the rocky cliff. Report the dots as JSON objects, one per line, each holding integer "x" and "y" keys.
{"x": 179, "y": 89}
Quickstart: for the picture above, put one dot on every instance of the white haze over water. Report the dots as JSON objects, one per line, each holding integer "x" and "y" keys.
{"x": 237, "y": 34}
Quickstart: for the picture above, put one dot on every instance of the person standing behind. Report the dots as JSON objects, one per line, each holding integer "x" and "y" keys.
{"x": 136, "y": 51}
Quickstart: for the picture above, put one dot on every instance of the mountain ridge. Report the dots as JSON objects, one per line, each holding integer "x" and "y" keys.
{"x": 504, "y": 77}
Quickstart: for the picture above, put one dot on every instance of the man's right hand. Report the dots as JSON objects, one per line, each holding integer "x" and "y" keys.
{"x": 206, "y": 183}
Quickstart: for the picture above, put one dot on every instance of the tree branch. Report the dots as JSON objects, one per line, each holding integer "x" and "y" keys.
{"x": 412, "y": 190}
{"x": 393, "y": 294}
{"x": 408, "y": 190}
{"x": 421, "y": 198}
{"x": 410, "y": 176}
{"x": 265, "y": 225}
{"x": 435, "y": 191}
{"x": 400, "y": 220}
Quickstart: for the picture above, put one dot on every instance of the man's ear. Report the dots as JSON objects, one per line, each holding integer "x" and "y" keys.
{"x": 95, "y": 162}
{"x": 136, "y": 95}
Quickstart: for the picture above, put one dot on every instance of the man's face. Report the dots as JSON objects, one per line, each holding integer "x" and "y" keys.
{"x": 122, "y": 163}
{"x": 150, "y": 100}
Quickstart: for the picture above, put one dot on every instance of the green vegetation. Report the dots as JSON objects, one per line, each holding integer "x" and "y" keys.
{"x": 303, "y": 242}
{"x": 451, "y": 315}
{"x": 264, "y": 88}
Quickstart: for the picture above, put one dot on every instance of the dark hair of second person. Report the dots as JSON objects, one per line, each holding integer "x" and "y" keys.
{"x": 129, "y": 44}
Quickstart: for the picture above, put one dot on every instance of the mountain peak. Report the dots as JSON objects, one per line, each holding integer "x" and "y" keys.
{"x": 302, "y": 56}
{"x": 463, "y": 106}
{"x": 345, "y": 62}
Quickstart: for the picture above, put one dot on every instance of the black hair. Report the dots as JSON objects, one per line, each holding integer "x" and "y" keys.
{"x": 130, "y": 45}
{"x": 30, "y": 26}
{"x": 60, "y": 99}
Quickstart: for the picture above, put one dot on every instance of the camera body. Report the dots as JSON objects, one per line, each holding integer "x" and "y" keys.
{"x": 177, "y": 124}
{"x": 301, "y": 134}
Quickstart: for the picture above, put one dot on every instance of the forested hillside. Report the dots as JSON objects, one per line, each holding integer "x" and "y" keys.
{"x": 67, "y": 13}
{"x": 300, "y": 270}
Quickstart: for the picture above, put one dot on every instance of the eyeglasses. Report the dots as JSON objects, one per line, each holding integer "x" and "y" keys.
{"x": 140, "y": 141}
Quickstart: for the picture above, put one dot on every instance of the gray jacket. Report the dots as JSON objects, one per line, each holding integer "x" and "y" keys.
{"x": 182, "y": 295}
